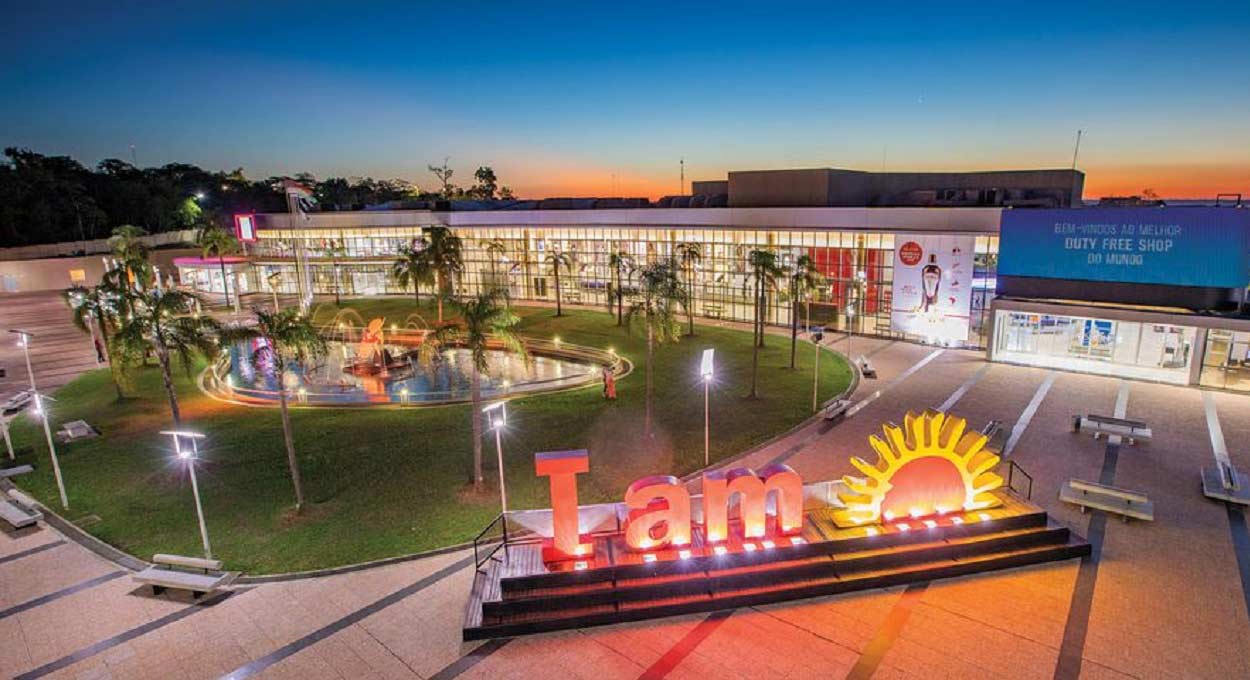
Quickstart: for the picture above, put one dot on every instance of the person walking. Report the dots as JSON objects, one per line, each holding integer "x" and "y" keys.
{"x": 609, "y": 384}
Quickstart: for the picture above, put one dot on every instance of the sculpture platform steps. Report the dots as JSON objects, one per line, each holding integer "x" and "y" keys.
{"x": 520, "y": 595}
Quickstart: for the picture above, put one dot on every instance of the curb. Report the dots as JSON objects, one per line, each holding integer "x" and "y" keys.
{"x": 814, "y": 418}
{"x": 133, "y": 564}
{"x": 74, "y": 533}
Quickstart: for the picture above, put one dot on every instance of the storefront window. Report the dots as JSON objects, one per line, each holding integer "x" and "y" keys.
{"x": 1129, "y": 349}
{"x": 1226, "y": 364}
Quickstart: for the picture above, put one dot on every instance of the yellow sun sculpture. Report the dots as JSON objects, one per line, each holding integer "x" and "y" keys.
{"x": 930, "y": 466}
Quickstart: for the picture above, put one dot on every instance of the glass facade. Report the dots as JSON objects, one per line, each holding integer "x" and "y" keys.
{"x": 857, "y": 267}
{"x": 1226, "y": 363}
{"x": 1130, "y": 349}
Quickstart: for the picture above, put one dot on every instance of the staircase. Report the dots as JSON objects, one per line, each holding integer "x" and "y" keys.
{"x": 519, "y": 596}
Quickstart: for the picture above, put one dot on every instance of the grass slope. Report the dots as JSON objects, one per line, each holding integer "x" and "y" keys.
{"x": 389, "y": 482}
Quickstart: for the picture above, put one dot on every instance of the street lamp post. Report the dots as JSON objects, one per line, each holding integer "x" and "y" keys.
{"x": 190, "y": 455}
{"x": 497, "y": 417}
{"x": 705, "y": 369}
{"x": 23, "y": 339}
{"x": 850, "y": 330}
{"x": 273, "y": 280}
{"x": 8, "y": 443}
{"x": 817, "y": 336}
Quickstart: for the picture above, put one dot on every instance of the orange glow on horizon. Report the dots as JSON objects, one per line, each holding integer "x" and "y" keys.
{"x": 1195, "y": 180}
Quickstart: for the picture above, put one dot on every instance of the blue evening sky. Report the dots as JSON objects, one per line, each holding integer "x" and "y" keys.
{"x": 580, "y": 98}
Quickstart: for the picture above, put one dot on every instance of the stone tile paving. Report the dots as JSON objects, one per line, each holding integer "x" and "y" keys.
{"x": 1167, "y": 600}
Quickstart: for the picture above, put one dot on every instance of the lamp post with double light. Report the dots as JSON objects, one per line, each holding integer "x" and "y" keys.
{"x": 706, "y": 371}
{"x": 23, "y": 341}
{"x": 189, "y": 454}
{"x": 818, "y": 334}
{"x": 497, "y": 418}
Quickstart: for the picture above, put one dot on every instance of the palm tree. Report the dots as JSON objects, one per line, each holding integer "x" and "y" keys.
{"x": 131, "y": 253}
{"x": 662, "y": 294}
{"x": 485, "y": 319}
{"x": 412, "y": 268}
{"x": 95, "y": 307}
{"x": 764, "y": 271}
{"x": 446, "y": 259}
{"x": 557, "y": 259}
{"x": 688, "y": 255}
{"x": 495, "y": 249}
{"x": 215, "y": 242}
{"x": 336, "y": 249}
{"x": 160, "y": 320}
{"x": 620, "y": 262}
{"x": 287, "y": 337}
{"x": 804, "y": 278}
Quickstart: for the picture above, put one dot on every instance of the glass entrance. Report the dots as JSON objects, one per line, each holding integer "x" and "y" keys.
{"x": 1130, "y": 349}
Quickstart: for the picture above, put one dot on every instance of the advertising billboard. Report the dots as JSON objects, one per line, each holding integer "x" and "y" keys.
{"x": 932, "y": 294}
{"x": 1181, "y": 246}
{"x": 245, "y": 228}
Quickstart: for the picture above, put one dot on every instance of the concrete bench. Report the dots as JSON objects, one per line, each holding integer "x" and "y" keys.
{"x": 1122, "y": 502}
{"x": 75, "y": 430}
{"x": 194, "y": 574}
{"x": 1130, "y": 430}
{"x": 997, "y": 437}
{"x": 19, "y": 510}
{"x": 17, "y": 402}
{"x": 14, "y": 471}
{"x": 866, "y": 368}
{"x": 837, "y": 409}
{"x": 1226, "y": 483}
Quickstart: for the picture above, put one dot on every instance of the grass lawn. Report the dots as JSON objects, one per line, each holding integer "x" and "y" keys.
{"x": 387, "y": 482}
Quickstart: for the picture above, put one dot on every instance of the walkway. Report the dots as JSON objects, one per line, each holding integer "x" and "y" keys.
{"x": 1162, "y": 599}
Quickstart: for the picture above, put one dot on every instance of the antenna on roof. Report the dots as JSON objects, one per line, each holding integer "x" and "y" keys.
{"x": 1077, "y": 150}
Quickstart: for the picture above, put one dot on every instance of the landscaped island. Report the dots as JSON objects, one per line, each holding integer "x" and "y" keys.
{"x": 385, "y": 482}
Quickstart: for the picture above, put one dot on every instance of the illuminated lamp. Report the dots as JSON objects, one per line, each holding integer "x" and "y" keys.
{"x": 648, "y": 557}
{"x": 932, "y": 462}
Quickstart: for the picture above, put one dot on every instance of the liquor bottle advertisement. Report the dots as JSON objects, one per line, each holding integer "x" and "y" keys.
{"x": 932, "y": 291}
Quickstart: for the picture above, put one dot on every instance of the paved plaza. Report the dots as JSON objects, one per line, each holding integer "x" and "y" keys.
{"x": 1162, "y": 599}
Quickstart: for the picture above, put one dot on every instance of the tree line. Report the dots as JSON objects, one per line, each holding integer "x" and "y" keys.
{"x": 53, "y": 199}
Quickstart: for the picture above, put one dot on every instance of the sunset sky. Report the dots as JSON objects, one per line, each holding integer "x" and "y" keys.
{"x": 605, "y": 98}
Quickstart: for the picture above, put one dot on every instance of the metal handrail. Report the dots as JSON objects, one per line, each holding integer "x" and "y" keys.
{"x": 1012, "y": 466}
{"x": 480, "y": 556}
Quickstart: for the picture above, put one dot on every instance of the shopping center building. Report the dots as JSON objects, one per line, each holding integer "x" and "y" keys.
{"x": 911, "y": 256}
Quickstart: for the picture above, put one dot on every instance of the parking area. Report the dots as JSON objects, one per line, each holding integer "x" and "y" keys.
{"x": 1161, "y": 599}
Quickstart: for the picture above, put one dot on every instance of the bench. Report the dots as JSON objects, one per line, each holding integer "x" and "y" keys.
{"x": 14, "y": 471}
{"x": 195, "y": 574}
{"x": 1130, "y": 430}
{"x": 713, "y": 311}
{"x": 19, "y": 510}
{"x": 837, "y": 409}
{"x": 866, "y": 368}
{"x": 1226, "y": 483}
{"x": 1122, "y": 502}
{"x": 997, "y": 436}
{"x": 75, "y": 430}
